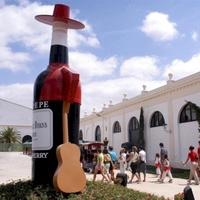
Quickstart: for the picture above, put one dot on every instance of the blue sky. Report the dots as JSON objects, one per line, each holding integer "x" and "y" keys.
{"x": 125, "y": 45}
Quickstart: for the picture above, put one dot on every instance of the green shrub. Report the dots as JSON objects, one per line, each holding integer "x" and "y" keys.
{"x": 25, "y": 190}
{"x": 179, "y": 196}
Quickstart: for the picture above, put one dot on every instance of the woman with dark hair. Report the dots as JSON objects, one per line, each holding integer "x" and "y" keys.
{"x": 192, "y": 155}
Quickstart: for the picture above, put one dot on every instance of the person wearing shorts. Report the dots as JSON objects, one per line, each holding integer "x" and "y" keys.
{"x": 133, "y": 159}
{"x": 100, "y": 165}
{"x": 141, "y": 164}
{"x": 112, "y": 162}
{"x": 107, "y": 162}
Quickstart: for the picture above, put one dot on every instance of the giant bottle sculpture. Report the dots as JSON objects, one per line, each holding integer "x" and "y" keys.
{"x": 55, "y": 87}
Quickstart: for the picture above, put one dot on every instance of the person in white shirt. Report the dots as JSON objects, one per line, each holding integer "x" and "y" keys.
{"x": 141, "y": 164}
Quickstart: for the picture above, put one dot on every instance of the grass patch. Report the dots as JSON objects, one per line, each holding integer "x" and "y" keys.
{"x": 176, "y": 173}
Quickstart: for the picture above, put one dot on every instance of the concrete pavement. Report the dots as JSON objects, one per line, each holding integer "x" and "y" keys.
{"x": 16, "y": 165}
{"x": 152, "y": 186}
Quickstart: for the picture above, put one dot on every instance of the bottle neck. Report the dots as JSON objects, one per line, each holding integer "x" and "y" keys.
{"x": 59, "y": 49}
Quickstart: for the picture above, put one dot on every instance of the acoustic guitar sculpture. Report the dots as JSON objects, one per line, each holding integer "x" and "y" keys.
{"x": 69, "y": 176}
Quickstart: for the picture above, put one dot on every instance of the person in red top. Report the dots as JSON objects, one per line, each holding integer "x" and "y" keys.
{"x": 198, "y": 152}
{"x": 167, "y": 170}
{"x": 192, "y": 155}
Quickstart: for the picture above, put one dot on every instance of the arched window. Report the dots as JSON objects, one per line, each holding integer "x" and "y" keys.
{"x": 27, "y": 138}
{"x": 80, "y": 135}
{"x": 134, "y": 124}
{"x": 188, "y": 114}
{"x": 116, "y": 127}
{"x": 157, "y": 119}
{"x": 133, "y": 131}
{"x": 98, "y": 134}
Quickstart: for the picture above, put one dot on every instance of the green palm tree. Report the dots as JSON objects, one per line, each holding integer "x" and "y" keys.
{"x": 197, "y": 111}
{"x": 10, "y": 135}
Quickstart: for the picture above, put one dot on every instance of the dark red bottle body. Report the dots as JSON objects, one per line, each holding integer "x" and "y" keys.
{"x": 47, "y": 123}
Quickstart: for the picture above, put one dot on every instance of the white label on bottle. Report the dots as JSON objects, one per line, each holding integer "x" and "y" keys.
{"x": 42, "y": 136}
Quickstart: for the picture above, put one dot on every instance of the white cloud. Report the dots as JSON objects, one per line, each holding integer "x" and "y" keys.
{"x": 90, "y": 66}
{"x": 181, "y": 69}
{"x": 140, "y": 67}
{"x": 21, "y": 94}
{"x": 158, "y": 27}
{"x": 76, "y": 39}
{"x": 100, "y": 78}
{"x": 14, "y": 61}
{"x": 109, "y": 89}
{"x": 2, "y": 3}
{"x": 135, "y": 72}
{"x": 113, "y": 89}
{"x": 20, "y": 27}
{"x": 90, "y": 40}
{"x": 195, "y": 35}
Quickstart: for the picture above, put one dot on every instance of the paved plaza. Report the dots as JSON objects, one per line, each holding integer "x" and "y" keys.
{"x": 16, "y": 165}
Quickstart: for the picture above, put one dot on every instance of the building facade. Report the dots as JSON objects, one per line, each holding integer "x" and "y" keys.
{"x": 167, "y": 119}
{"x": 18, "y": 117}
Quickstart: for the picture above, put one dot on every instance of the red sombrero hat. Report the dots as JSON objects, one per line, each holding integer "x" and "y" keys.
{"x": 60, "y": 13}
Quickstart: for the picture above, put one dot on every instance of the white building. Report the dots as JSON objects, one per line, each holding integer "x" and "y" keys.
{"x": 164, "y": 105}
{"x": 18, "y": 117}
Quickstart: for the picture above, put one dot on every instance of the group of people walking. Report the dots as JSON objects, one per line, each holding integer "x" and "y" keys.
{"x": 105, "y": 163}
{"x": 135, "y": 162}
{"x": 163, "y": 168}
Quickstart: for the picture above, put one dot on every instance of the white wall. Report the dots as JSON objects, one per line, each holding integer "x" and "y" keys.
{"x": 16, "y": 116}
{"x": 169, "y": 100}
{"x": 185, "y": 134}
{"x": 155, "y": 135}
